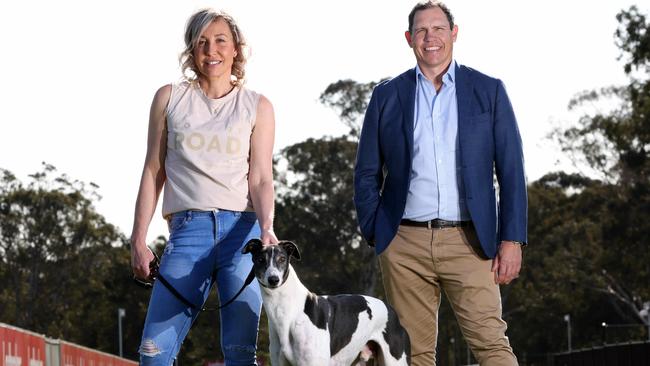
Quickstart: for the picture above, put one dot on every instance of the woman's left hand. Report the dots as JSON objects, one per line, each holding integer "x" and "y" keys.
{"x": 268, "y": 237}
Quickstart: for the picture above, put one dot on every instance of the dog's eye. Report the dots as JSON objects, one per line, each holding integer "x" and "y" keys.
{"x": 260, "y": 260}
{"x": 282, "y": 260}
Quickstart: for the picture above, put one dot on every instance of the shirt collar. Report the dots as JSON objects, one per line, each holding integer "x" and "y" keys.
{"x": 448, "y": 77}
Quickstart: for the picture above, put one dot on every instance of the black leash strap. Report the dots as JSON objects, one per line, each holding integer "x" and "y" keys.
{"x": 175, "y": 293}
{"x": 249, "y": 279}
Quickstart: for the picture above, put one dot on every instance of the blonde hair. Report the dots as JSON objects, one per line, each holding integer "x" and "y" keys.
{"x": 195, "y": 26}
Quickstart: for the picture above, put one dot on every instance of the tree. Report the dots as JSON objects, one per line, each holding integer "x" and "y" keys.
{"x": 589, "y": 236}
{"x": 63, "y": 267}
{"x": 315, "y": 201}
{"x": 617, "y": 144}
{"x": 350, "y": 99}
{"x": 316, "y": 212}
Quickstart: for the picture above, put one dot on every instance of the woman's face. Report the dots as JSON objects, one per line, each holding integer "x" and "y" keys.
{"x": 215, "y": 51}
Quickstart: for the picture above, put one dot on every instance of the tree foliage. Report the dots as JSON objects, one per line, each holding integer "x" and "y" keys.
{"x": 349, "y": 99}
{"x": 315, "y": 210}
{"x": 314, "y": 203}
{"x": 64, "y": 269}
{"x": 589, "y": 237}
{"x": 616, "y": 143}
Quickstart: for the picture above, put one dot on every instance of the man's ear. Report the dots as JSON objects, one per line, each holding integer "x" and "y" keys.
{"x": 408, "y": 37}
{"x": 253, "y": 245}
{"x": 290, "y": 248}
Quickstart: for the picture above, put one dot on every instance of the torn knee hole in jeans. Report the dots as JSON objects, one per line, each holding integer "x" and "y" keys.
{"x": 239, "y": 348}
{"x": 149, "y": 348}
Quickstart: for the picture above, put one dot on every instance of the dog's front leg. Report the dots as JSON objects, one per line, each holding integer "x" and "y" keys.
{"x": 277, "y": 357}
{"x": 309, "y": 345}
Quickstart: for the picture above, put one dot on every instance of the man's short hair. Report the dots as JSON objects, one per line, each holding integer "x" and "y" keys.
{"x": 428, "y": 5}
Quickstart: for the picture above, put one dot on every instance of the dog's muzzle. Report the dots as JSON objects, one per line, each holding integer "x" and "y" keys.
{"x": 273, "y": 281}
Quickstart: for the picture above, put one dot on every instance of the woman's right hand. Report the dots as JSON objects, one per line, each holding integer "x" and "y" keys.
{"x": 151, "y": 183}
{"x": 141, "y": 257}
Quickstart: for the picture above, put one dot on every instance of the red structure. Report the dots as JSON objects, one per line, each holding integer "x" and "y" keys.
{"x": 21, "y": 347}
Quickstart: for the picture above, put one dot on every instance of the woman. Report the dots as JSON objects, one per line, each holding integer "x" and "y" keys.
{"x": 210, "y": 145}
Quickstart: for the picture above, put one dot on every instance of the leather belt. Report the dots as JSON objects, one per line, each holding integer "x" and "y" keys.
{"x": 435, "y": 223}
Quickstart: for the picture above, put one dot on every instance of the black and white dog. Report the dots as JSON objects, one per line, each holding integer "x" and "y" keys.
{"x": 310, "y": 330}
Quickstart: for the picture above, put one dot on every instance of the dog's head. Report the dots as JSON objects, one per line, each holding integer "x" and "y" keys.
{"x": 271, "y": 262}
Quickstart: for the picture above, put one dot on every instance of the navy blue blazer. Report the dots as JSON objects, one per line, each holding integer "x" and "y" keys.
{"x": 489, "y": 143}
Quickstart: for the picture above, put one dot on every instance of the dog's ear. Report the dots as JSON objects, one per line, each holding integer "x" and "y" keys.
{"x": 252, "y": 246}
{"x": 290, "y": 248}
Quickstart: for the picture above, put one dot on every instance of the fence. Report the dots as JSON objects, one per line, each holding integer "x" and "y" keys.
{"x": 622, "y": 354}
{"x": 24, "y": 348}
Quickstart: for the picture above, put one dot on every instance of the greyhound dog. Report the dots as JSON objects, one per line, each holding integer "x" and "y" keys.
{"x": 310, "y": 330}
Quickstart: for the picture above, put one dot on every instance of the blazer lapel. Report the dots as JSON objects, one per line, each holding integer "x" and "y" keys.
{"x": 463, "y": 97}
{"x": 406, "y": 95}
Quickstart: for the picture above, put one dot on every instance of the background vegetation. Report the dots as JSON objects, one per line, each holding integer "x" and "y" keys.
{"x": 65, "y": 271}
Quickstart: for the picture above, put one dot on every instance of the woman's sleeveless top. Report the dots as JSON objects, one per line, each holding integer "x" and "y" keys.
{"x": 208, "y": 149}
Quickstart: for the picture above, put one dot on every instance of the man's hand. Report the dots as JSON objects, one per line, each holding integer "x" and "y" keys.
{"x": 507, "y": 263}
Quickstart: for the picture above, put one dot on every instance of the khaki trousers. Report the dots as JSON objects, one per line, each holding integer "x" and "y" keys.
{"x": 418, "y": 264}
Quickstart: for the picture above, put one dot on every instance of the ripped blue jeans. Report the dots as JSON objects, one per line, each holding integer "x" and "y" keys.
{"x": 202, "y": 243}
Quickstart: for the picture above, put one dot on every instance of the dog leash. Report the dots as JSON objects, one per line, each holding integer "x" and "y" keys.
{"x": 154, "y": 275}
{"x": 187, "y": 302}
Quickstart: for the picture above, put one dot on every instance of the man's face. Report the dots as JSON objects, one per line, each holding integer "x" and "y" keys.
{"x": 431, "y": 38}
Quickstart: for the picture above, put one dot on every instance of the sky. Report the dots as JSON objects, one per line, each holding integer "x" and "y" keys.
{"x": 79, "y": 76}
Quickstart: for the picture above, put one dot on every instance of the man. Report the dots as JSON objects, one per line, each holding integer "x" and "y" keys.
{"x": 431, "y": 142}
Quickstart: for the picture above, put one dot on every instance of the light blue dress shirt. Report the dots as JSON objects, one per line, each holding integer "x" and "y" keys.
{"x": 436, "y": 190}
